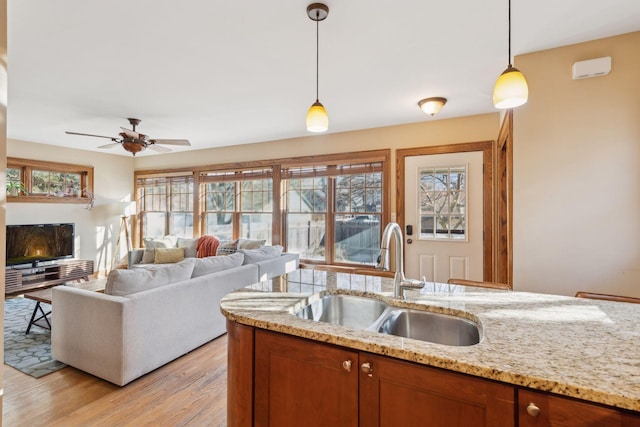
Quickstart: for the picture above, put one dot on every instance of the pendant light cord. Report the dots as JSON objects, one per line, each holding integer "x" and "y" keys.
{"x": 317, "y": 52}
{"x": 509, "y": 51}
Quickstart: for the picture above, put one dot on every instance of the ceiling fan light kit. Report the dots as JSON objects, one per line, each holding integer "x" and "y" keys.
{"x": 432, "y": 106}
{"x": 317, "y": 117}
{"x": 511, "y": 89}
{"x": 135, "y": 142}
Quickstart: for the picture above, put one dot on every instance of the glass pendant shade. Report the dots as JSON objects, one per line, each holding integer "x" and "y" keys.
{"x": 432, "y": 106}
{"x": 511, "y": 89}
{"x": 317, "y": 118}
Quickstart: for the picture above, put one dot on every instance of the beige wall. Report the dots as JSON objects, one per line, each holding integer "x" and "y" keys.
{"x": 427, "y": 133}
{"x": 3, "y": 157}
{"x": 96, "y": 229}
{"x": 577, "y": 172}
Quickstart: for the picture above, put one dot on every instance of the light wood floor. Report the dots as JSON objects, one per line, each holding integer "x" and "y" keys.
{"x": 191, "y": 390}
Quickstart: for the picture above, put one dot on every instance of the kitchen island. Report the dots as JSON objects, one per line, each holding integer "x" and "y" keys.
{"x": 533, "y": 347}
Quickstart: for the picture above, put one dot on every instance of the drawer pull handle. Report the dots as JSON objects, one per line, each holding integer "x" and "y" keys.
{"x": 533, "y": 410}
{"x": 367, "y": 369}
{"x": 347, "y": 365}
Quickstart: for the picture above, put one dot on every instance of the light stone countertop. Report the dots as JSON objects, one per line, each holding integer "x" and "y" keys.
{"x": 582, "y": 348}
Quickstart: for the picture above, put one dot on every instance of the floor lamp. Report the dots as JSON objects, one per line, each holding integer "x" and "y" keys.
{"x": 124, "y": 226}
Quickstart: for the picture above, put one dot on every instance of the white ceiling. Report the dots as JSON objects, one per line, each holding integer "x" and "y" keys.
{"x": 233, "y": 72}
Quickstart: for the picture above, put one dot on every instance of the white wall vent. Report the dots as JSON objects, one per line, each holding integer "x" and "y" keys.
{"x": 592, "y": 68}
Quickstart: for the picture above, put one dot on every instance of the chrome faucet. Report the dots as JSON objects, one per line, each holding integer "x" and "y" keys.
{"x": 400, "y": 282}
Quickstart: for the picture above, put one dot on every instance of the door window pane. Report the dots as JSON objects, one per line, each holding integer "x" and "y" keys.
{"x": 443, "y": 203}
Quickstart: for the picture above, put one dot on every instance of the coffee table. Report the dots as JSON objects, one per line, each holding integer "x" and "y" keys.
{"x": 40, "y": 317}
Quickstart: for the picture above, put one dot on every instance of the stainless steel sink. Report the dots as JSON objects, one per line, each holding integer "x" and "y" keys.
{"x": 346, "y": 310}
{"x": 432, "y": 327}
{"x": 374, "y": 315}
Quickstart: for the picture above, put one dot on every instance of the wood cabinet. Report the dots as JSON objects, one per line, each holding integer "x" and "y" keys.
{"x": 538, "y": 409}
{"x": 301, "y": 382}
{"x": 280, "y": 380}
{"x": 399, "y": 393}
{"x": 24, "y": 279}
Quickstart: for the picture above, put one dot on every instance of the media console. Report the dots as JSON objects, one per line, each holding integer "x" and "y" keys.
{"x": 18, "y": 279}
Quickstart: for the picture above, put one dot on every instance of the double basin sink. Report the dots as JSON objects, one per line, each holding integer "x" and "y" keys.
{"x": 374, "y": 315}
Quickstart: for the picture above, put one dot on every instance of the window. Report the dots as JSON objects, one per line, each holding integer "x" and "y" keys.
{"x": 239, "y": 204}
{"x": 329, "y": 208}
{"x": 443, "y": 201}
{"x": 49, "y": 182}
{"x": 344, "y": 231}
{"x": 357, "y": 220}
{"x": 52, "y": 183}
{"x": 166, "y": 206}
{"x": 306, "y": 200}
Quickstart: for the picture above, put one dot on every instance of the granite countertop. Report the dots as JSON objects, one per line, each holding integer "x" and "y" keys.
{"x": 582, "y": 348}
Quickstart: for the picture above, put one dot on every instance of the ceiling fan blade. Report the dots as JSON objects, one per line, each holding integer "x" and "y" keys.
{"x": 133, "y": 134}
{"x": 88, "y": 134}
{"x": 158, "y": 148}
{"x": 114, "y": 144}
{"x": 170, "y": 141}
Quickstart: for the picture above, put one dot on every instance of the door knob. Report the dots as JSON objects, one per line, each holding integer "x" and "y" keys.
{"x": 346, "y": 365}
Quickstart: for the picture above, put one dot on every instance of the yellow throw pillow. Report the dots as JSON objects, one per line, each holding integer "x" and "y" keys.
{"x": 168, "y": 255}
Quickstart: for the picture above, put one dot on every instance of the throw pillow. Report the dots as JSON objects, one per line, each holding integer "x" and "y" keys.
{"x": 127, "y": 282}
{"x": 250, "y": 244}
{"x": 160, "y": 242}
{"x": 227, "y": 248}
{"x": 214, "y": 264}
{"x": 168, "y": 255}
{"x": 189, "y": 246}
{"x": 251, "y": 256}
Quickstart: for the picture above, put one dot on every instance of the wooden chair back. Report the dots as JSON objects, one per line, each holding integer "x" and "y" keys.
{"x": 607, "y": 297}
{"x": 492, "y": 285}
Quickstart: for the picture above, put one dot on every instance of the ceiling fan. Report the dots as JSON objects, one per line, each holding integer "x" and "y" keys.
{"x": 134, "y": 142}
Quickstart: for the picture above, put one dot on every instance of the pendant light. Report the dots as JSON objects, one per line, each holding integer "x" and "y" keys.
{"x": 317, "y": 118}
{"x": 511, "y": 88}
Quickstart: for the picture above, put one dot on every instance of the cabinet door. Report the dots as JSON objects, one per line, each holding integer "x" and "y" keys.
{"x": 397, "y": 394}
{"x": 542, "y": 410}
{"x": 300, "y": 382}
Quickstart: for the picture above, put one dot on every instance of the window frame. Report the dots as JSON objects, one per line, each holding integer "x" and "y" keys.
{"x": 27, "y": 166}
{"x": 168, "y": 201}
{"x": 276, "y": 166}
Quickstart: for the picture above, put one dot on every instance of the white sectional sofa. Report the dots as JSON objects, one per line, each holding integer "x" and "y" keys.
{"x": 121, "y": 336}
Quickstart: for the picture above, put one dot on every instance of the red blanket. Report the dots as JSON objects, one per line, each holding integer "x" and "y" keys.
{"x": 207, "y": 246}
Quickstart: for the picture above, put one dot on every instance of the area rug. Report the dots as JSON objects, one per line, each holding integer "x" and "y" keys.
{"x": 31, "y": 353}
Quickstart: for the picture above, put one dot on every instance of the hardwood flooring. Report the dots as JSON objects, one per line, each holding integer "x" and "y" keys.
{"x": 190, "y": 391}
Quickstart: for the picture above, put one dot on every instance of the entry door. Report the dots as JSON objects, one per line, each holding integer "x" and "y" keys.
{"x": 444, "y": 216}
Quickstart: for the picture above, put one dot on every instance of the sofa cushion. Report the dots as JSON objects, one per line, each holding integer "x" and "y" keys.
{"x": 189, "y": 246}
{"x": 251, "y": 256}
{"x": 159, "y": 242}
{"x": 250, "y": 244}
{"x": 126, "y": 282}
{"x": 168, "y": 255}
{"x": 213, "y": 264}
{"x": 227, "y": 248}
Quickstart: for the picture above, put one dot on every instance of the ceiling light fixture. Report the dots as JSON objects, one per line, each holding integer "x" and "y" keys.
{"x": 317, "y": 118}
{"x": 511, "y": 88}
{"x": 432, "y": 106}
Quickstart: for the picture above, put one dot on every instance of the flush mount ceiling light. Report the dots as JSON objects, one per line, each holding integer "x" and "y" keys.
{"x": 317, "y": 118}
{"x": 511, "y": 88}
{"x": 432, "y": 106}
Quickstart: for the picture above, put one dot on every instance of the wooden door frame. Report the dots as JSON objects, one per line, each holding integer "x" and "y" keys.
{"x": 487, "y": 148}
{"x": 504, "y": 202}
